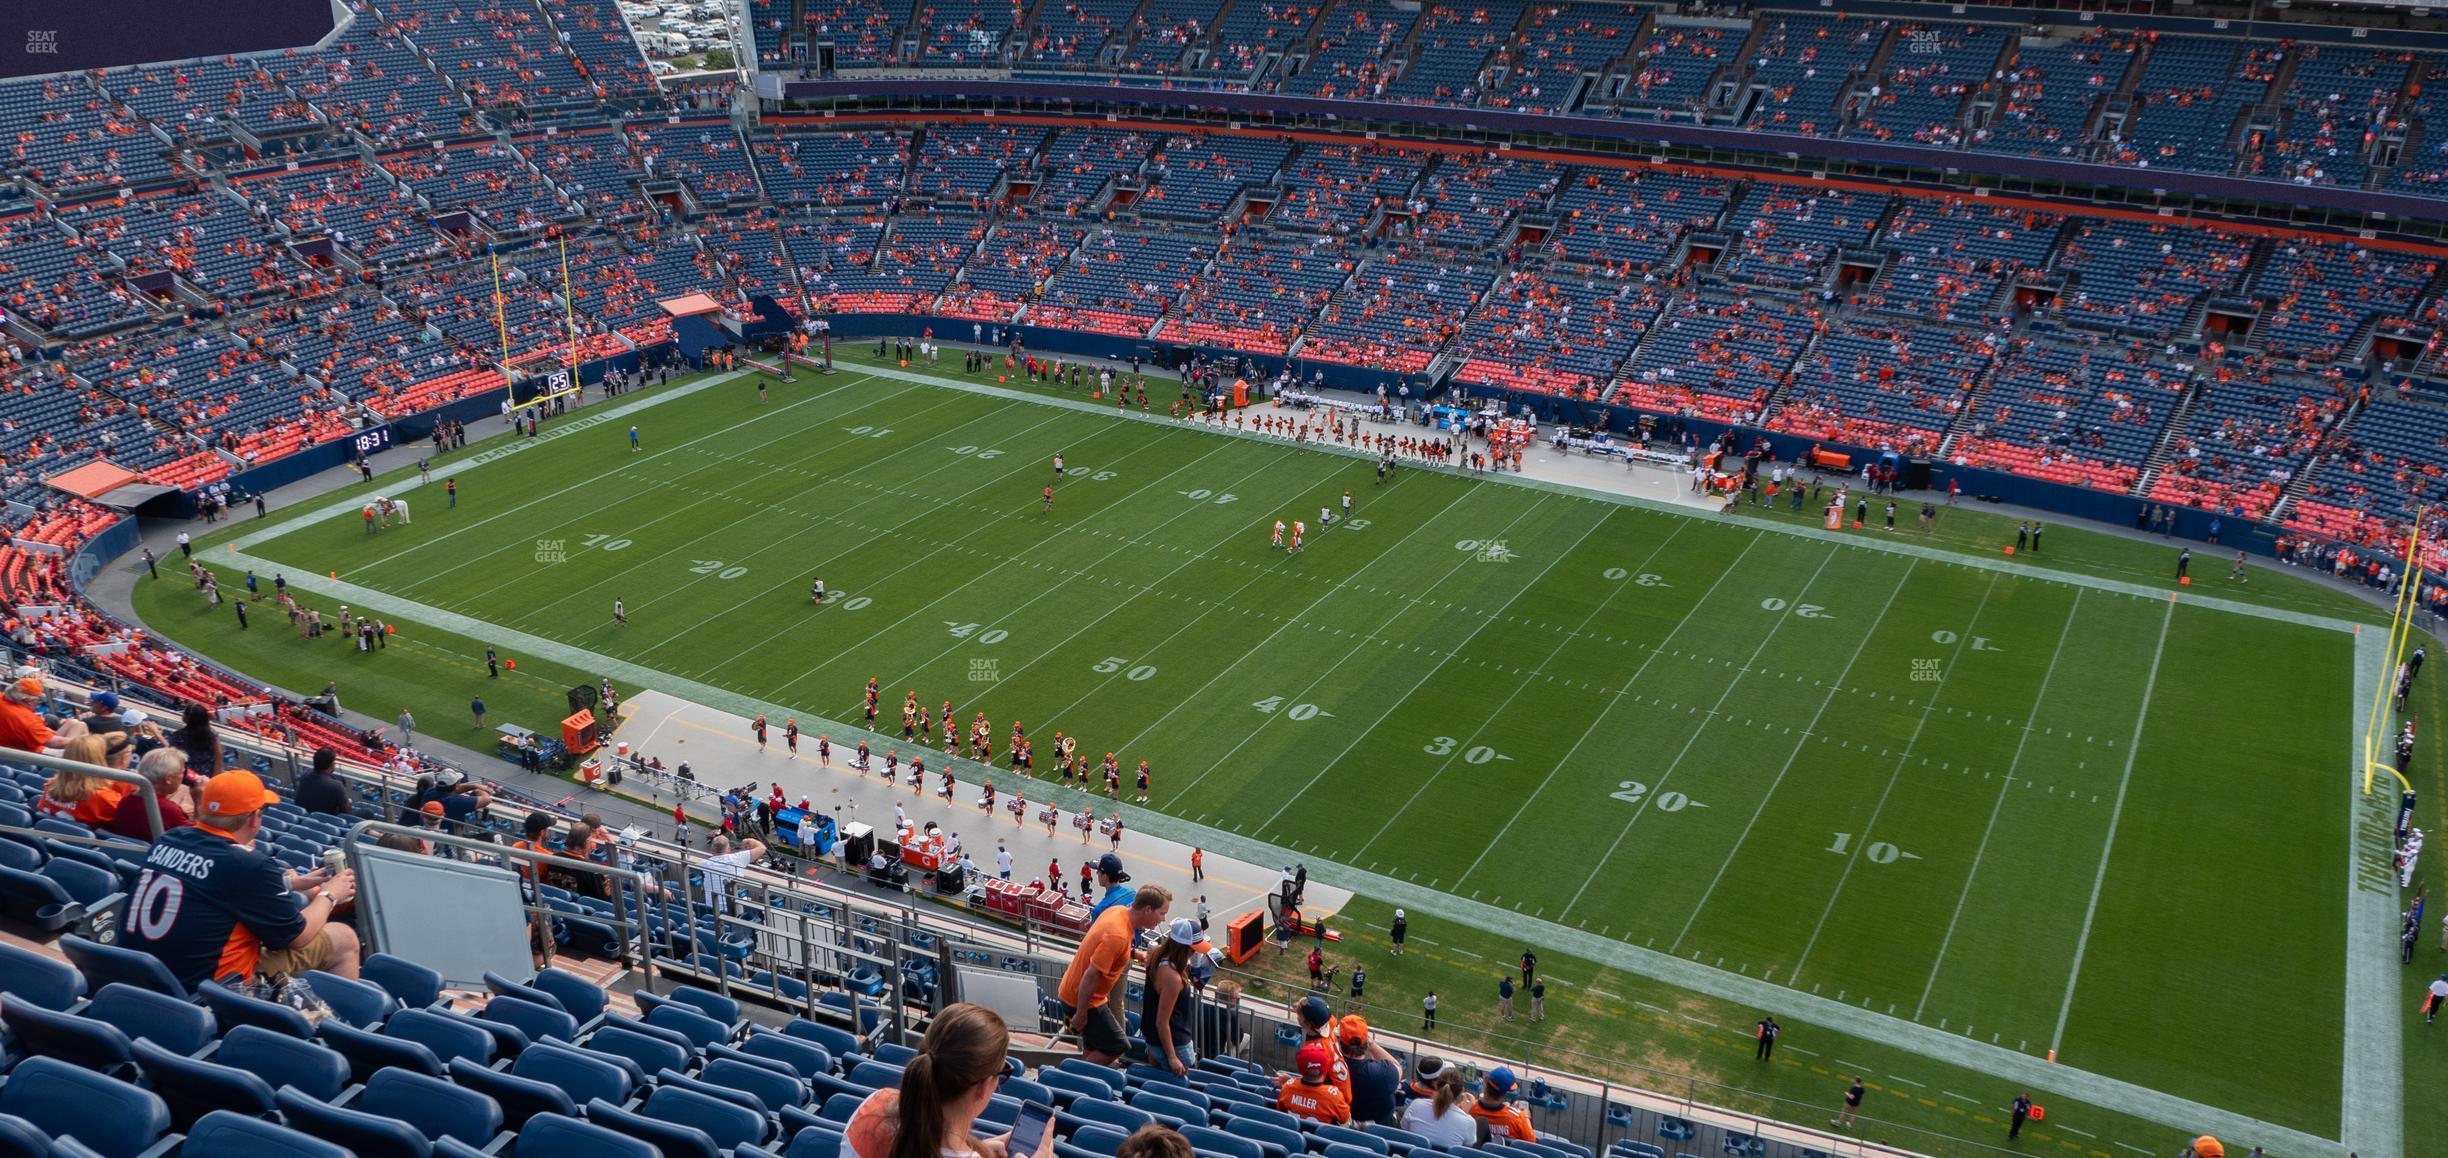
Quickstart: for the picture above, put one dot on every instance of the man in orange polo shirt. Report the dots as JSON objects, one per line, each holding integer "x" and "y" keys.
{"x": 1104, "y": 957}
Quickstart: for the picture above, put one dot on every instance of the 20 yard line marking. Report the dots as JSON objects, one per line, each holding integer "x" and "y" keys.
{"x": 1761, "y": 808}
{"x": 1894, "y": 776}
{"x": 1611, "y": 704}
{"x": 1982, "y": 849}
{"x": 2099, "y": 879}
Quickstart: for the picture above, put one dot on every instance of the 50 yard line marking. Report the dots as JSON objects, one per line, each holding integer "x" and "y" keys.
{"x": 1982, "y": 849}
{"x": 1895, "y": 775}
{"x": 2099, "y": 879}
{"x": 1611, "y": 704}
{"x": 1834, "y": 687}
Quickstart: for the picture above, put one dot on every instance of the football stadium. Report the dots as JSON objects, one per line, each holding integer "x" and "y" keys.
{"x": 1223, "y": 579}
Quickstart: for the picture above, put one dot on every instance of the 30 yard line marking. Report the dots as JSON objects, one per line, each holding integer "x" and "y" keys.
{"x": 1894, "y": 775}
{"x": 2099, "y": 878}
{"x": 1982, "y": 849}
{"x": 1761, "y": 809}
{"x": 1611, "y": 704}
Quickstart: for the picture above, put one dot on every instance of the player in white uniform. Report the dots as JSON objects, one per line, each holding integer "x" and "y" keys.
{"x": 1279, "y": 533}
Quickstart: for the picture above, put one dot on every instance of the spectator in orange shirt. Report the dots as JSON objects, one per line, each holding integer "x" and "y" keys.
{"x": 1104, "y": 957}
{"x": 1314, "y": 1094}
{"x": 1496, "y": 1110}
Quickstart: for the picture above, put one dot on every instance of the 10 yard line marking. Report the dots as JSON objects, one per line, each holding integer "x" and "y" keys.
{"x": 1982, "y": 850}
{"x": 2100, "y": 878}
{"x": 1903, "y": 758}
{"x": 1642, "y": 809}
{"x": 1612, "y": 703}
{"x": 1834, "y": 686}
{"x": 1448, "y": 763}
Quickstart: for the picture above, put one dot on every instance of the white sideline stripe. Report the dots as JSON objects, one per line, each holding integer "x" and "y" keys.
{"x": 1977, "y": 1101}
{"x": 1982, "y": 850}
{"x": 2083, "y": 1133}
{"x": 1908, "y": 1081}
{"x": 1835, "y": 686}
{"x": 1625, "y": 689}
{"x": 2005, "y": 1064}
{"x": 2099, "y": 877}
{"x": 2372, "y": 1089}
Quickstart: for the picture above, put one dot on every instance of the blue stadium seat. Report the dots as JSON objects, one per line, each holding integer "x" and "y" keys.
{"x": 356, "y": 1002}
{"x": 234, "y": 1009}
{"x": 669, "y": 1139}
{"x": 111, "y": 1117}
{"x": 519, "y": 1098}
{"x": 30, "y": 977}
{"x": 581, "y": 1075}
{"x": 229, "y": 1134}
{"x": 371, "y": 1053}
{"x": 438, "y": 1109}
{"x": 281, "y": 1060}
{"x": 1266, "y": 1133}
{"x": 650, "y": 1053}
{"x": 79, "y": 1041}
{"x": 892, "y": 1053}
{"x": 579, "y": 997}
{"x": 193, "y": 1088}
{"x": 414, "y": 985}
{"x": 166, "y": 1021}
{"x": 538, "y": 1022}
{"x": 838, "y": 1108}
{"x": 741, "y": 1098}
{"x": 727, "y": 1123}
{"x": 366, "y": 1135}
{"x": 1216, "y": 1142}
{"x": 1096, "y": 1111}
{"x": 1105, "y": 1075}
{"x": 772, "y": 1089}
{"x": 1099, "y": 1140}
{"x": 448, "y": 1035}
{"x": 834, "y": 1040}
{"x": 799, "y": 1056}
{"x": 1068, "y": 1087}
{"x": 710, "y": 1003}
{"x": 103, "y": 964}
{"x": 1171, "y": 1111}
{"x": 696, "y": 1026}
{"x": 1400, "y": 1141}
{"x": 501, "y": 986}
{"x": 812, "y": 1142}
{"x": 876, "y": 1075}
{"x": 1347, "y": 1150}
{"x": 1026, "y": 1090}
{"x": 565, "y": 1136}
{"x": 781, "y": 1068}
{"x": 1351, "y": 1136}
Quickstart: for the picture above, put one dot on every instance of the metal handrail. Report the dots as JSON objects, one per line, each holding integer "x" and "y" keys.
{"x": 152, "y": 796}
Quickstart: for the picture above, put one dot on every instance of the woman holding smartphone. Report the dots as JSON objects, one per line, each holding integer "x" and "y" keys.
{"x": 943, "y": 1090}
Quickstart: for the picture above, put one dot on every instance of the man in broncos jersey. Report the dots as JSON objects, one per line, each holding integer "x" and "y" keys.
{"x": 210, "y": 905}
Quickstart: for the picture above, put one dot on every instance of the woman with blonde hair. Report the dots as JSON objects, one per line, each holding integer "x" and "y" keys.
{"x": 88, "y": 799}
{"x": 943, "y": 1090}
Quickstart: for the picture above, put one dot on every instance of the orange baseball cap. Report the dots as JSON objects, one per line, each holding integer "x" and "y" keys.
{"x": 432, "y": 808}
{"x": 1355, "y": 1029}
{"x": 236, "y": 794}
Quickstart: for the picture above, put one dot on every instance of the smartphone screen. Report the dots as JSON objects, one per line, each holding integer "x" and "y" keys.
{"x": 1028, "y": 1130}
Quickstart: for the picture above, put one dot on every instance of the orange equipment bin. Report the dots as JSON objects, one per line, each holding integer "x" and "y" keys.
{"x": 1244, "y": 936}
{"x": 578, "y": 733}
{"x": 1240, "y": 393}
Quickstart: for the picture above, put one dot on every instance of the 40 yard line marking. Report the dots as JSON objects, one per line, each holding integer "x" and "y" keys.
{"x": 1982, "y": 849}
{"x": 1260, "y": 647}
{"x": 1612, "y": 703}
{"x": 2099, "y": 879}
{"x": 1895, "y": 775}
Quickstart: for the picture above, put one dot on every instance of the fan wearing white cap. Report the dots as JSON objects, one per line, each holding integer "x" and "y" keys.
{"x": 1164, "y": 1011}
{"x": 1402, "y": 925}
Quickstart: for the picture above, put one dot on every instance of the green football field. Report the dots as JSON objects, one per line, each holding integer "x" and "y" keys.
{"x": 2042, "y": 811}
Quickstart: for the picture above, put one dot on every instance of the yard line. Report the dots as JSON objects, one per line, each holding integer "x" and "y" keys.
{"x": 532, "y": 613}
{"x": 1292, "y": 798}
{"x": 1894, "y": 776}
{"x": 776, "y": 541}
{"x": 1498, "y": 714}
{"x": 2099, "y": 879}
{"x": 1974, "y": 1101}
{"x": 1116, "y": 605}
{"x": 1200, "y": 695}
{"x": 1642, "y": 809}
{"x": 2082, "y": 1133}
{"x": 1611, "y": 704}
{"x": 1982, "y": 850}
{"x": 1908, "y": 1081}
{"x": 1042, "y": 592}
{"x": 1408, "y": 602}
{"x": 599, "y": 476}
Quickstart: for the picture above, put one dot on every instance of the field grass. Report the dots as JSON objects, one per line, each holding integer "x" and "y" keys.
{"x": 1988, "y": 800}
